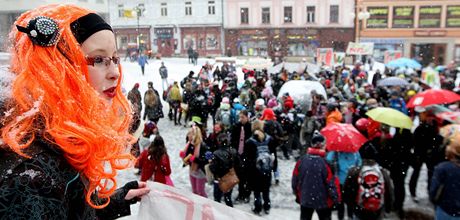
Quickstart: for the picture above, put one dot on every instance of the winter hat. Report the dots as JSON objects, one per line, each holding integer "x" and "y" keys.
{"x": 87, "y": 25}
{"x": 272, "y": 103}
{"x": 268, "y": 115}
{"x": 226, "y": 100}
{"x": 362, "y": 124}
{"x": 289, "y": 103}
{"x": 196, "y": 120}
{"x": 317, "y": 138}
{"x": 260, "y": 102}
{"x": 136, "y": 85}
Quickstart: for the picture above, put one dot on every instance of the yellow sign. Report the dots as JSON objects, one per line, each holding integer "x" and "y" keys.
{"x": 453, "y": 10}
{"x": 129, "y": 13}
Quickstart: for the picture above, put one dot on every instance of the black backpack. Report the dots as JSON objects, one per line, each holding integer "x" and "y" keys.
{"x": 264, "y": 160}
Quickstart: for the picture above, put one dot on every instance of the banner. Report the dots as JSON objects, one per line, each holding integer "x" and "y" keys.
{"x": 391, "y": 55}
{"x": 166, "y": 202}
{"x": 339, "y": 58}
{"x": 129, "y": 13}
{"x": 324, "y": 56}
{"x": 360, "y": 48}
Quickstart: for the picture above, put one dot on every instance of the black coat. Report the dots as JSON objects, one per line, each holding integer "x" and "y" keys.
{"x": 224, "y": 158}
{"x": 46, "y": 186}
{"x": 257, "y": 180}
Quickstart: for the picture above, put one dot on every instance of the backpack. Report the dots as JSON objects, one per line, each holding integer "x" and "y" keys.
{"x": 264, "y": 160}
{"x": 371, "y": 188}
{"x": 225, "y": 117}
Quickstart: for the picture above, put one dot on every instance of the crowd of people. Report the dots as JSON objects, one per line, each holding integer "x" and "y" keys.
{"x": 252, "y": 129}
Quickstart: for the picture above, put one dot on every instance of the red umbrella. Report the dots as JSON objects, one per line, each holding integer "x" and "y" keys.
{"x": 433, "y": 97}
{"x": 342, "y": 137}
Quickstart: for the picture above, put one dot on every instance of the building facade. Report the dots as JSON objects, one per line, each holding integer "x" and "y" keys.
{"x": 169, "y": 27}
{"x": 11, "y": 9}
{"x": 428, "y": 31}
{"x": 287, "y": 28}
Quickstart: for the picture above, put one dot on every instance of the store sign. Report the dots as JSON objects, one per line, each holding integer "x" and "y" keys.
{"x": 391, "y": 55}
{"x": 164, "y": 33}
{"x": 453, "y": 16}
{"x": 430, "y": 33}
{"x": 378, "y": 18}
{"x": 430, "y": 16}
{"x": 324, "y": 56}
{"x": 360, "y": 48}
{"x": 403, "y": 17}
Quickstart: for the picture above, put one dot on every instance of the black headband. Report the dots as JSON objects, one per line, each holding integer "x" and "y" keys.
{"x": 87, "y": 25}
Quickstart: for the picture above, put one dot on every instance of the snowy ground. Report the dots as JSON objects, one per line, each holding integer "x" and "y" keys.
{"x": 283, "y": 204}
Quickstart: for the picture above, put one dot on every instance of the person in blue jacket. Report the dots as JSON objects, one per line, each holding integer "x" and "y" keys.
{"x": 398, "y": 103}
{"x": 237, "y": 107}
{"x": 313, "y": 182}
{"x": 142, "y": 60}
{"x": 445, "y": 183}
{"x": 341, "y": 163}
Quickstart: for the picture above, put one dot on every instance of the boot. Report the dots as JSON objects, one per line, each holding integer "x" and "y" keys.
{"x": 180, "y": 116}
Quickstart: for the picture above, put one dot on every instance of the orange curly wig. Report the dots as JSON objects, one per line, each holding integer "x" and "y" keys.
{"x": 51, "y": 98}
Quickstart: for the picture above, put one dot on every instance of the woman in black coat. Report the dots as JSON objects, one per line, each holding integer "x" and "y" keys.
{"x": 65, "y": 135}
{"x": 259, "y": 180}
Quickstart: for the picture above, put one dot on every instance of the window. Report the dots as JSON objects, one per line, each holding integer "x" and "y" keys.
{"x": 403, "y": 17}
{"x": 430, "y": 17}
{"x": 211, "y": 8}
{"x": 121, "y": 11}
{"x": 453, "y": 16}
{"x": 164, "y": 9}
{"x": 311, "y": 14}
{"x": 265, "y": 15}
{"x": 334, "y": 14}
{"x": 244, "y": 15}
{"x": 288, "y": 14}
{"x": 378, "y": 17}
{"x": 188, "y": 8}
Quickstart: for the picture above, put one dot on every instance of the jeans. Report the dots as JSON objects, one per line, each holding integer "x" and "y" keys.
{"x": 307, "y": 213}
{"x": 442, "y": 215}
{"x": 198, "y": 185}
{"x": 218, "y": 195}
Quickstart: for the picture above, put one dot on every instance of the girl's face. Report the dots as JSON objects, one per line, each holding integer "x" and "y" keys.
{"x": 217, "y": 128}
{"x": 101, "y": 55}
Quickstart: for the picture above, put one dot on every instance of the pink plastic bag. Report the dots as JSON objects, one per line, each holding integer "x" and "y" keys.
{"x": 169, "y": 181}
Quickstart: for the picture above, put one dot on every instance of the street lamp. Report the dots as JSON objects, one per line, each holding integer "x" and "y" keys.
{"x": 139, "y": 9}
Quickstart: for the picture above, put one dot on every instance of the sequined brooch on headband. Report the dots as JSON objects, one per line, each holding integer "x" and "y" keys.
{"x": 43, "y": 31}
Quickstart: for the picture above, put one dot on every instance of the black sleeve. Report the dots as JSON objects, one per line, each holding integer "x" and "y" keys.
{"x": 118, "y": 206}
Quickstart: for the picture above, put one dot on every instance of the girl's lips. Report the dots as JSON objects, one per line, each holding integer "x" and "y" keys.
{"x": 110, "y": 92}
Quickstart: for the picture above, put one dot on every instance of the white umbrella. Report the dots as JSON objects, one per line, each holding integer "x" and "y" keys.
{"x": 300, "y": 91}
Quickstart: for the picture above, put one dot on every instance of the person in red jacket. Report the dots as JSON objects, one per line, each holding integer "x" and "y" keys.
{"x": 154, "y": 162}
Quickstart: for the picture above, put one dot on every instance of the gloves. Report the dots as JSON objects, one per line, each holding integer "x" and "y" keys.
{"x": 192, "y": 158}
{"x": 130, "y": 185}
{"x": 208, "y": 155}
{"x": 181, "y": 154}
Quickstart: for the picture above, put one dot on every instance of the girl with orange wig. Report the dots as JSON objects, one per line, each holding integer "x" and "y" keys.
{"x": 65, "y": 128}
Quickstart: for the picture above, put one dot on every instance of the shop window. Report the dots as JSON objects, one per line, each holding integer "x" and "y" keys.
{"x": 334, "y": 14}
{"x": 430, "y": 17}
{"x": 164, "y": 9}
{"x": 288, "y": 14}
{"x": 244, "y": 15}
{"x": 311, "y": 14}
{"x": 188, "y": 8}
{"x": 122, "y": 42}
{"x": 266, "y": 15}
{"x": 211, "y": 8}
{"x": 457, "y": 53}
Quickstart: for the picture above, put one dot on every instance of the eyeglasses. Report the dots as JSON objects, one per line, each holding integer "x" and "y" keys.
{"x": 101, "y": 61}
